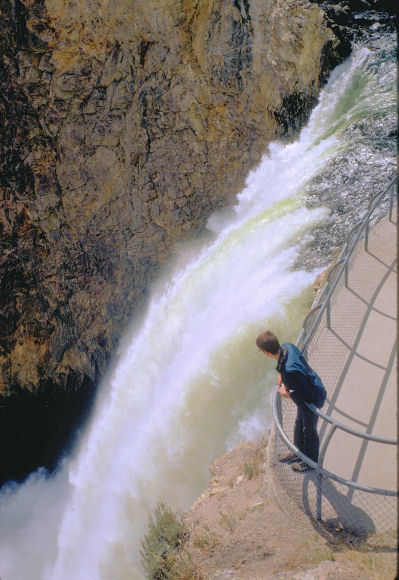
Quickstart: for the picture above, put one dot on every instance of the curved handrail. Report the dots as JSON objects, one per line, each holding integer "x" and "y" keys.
{"x": 352, "y": 231}
{"x": 320, "y": 469}
{"x": 343, "y": 427}
{"x": 332, "y": 270}
{"x": 305, "y": 322}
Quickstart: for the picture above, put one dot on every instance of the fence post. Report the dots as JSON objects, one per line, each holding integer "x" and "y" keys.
{"x": 391, "y": 203}
{"x": 279, "y": 410}
{"x": 328, "y": 314}
{"x": 319, "y": 496}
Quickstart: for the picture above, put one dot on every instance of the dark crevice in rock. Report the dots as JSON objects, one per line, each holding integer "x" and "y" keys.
{"x": 19, "y": 23}
{"x": 294, "y": 113}
{"x": 143, "y": 49}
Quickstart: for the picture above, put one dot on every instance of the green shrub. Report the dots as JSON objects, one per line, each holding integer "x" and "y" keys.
{"x": 179, "y": 566}
{"x": 161, "y": 553}
{"x": 165, "y": 534}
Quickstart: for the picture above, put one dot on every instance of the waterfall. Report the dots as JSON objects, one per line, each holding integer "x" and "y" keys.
{"x": 189, "y": 382}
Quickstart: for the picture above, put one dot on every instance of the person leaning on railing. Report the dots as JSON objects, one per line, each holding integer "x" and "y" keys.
{"x": 297, "y": 381}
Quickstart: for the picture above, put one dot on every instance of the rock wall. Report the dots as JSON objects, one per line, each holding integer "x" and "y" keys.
{"x": 124, "y": 124}
{"x": 135, "y": 120}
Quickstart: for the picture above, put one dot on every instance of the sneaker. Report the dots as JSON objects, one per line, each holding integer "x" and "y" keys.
{"x": 302, "y": 468}
{"x": 289, "y": 458}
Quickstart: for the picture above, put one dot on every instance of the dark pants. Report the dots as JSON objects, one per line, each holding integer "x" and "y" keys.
{"x": 306, "y": 437}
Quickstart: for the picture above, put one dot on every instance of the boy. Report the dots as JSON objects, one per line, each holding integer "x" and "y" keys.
{"x": 298, "y": 381}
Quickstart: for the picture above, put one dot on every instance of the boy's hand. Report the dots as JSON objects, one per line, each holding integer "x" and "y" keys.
{"x": 283, "y": 391}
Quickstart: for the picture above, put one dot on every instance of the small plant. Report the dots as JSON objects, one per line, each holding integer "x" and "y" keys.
{"x": 363, "y": 560}
{"x": 179, "y": 566}
{"x": 206, "y": 543}
{"x": 322, "y": 554}
{"x": 227, "y": 520}
{"x": 250, "y": 470}
{"x": 254, "y": 461}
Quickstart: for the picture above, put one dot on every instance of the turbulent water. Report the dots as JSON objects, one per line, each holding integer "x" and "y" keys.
{"x": 190, "y": 382}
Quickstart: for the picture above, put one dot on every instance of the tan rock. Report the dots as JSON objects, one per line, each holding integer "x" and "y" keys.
{"x": 247, "y": 532}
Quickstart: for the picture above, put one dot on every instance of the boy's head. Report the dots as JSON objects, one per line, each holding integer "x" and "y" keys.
{"x": 268, "y": 342}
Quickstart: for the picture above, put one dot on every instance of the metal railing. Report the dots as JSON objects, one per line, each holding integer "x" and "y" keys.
{"x": 380, "y": 206}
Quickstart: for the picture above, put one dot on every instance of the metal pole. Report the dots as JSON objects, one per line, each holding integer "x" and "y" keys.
{"x": 328, "y": 313}
{"x": 391, "y": 203}
{"x": 279, "y": 410}
{"x": 319, "y": 496}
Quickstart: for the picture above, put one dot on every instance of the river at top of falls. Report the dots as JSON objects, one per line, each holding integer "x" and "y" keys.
{"x": 190, "y": 382}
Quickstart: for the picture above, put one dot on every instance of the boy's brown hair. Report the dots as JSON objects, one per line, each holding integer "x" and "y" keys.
{"x": 268, "y": 342}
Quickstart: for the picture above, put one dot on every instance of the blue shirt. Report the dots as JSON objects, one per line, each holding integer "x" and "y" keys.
{"x": 302, "y": 382}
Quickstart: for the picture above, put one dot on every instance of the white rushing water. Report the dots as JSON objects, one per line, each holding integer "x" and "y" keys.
{"x": 190, "y": 382}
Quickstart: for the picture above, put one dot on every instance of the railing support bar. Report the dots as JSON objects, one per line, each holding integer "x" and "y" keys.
{"x": 319, "y": 499}
{"x": 391, "y": 202}
{"x": 279, "y": 410}
{"x": 328, "y": 313}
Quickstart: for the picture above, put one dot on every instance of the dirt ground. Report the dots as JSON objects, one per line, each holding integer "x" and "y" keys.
{"x": 240, "y": 530}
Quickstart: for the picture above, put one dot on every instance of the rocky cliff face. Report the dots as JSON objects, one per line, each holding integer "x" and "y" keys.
{"x": 124, "y": 124}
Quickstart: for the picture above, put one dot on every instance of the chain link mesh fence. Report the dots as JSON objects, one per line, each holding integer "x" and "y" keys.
{"x": 354, "y": 486}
